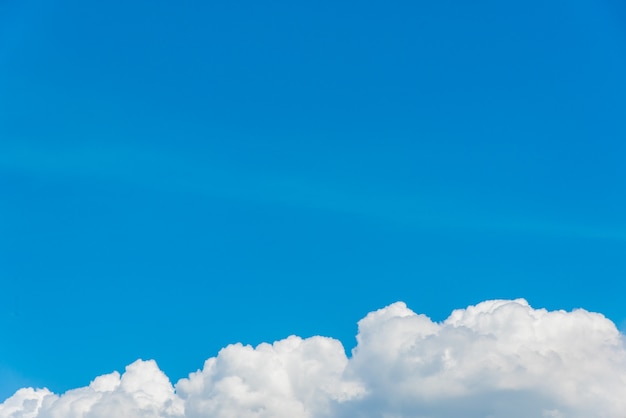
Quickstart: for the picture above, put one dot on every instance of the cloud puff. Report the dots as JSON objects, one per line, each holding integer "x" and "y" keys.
{"x": 142, "y": 391}
{"x": 496, "y": 359}
{"x": 291, "y": 378}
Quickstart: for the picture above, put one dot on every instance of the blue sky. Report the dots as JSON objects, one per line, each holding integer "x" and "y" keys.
{"x": 178, "y": 176}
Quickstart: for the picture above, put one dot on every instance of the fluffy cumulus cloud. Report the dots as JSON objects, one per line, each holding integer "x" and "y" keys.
{"x": 142, "y": 391}
{"x": 496, "y": 359}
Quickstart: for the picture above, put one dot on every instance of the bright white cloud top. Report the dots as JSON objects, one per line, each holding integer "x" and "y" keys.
{"x": 499, "y": 359}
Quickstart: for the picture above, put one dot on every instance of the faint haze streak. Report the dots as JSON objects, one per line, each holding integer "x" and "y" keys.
{"x": 160, "y": 172}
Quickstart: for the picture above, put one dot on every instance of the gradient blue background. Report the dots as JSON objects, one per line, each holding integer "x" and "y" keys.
{"x": 178, "y": 176}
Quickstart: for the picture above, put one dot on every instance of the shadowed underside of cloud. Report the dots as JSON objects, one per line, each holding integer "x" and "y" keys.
{"x": 496, "y": 359}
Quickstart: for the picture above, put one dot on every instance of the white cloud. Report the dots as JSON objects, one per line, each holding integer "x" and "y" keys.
{"x": 496, "y": 359}
{"x": 142, "y": 391}
{"x": 291, "y": 378}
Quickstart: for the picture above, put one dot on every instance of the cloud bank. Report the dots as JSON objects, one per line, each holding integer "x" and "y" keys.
{"x": 497, "y": 359}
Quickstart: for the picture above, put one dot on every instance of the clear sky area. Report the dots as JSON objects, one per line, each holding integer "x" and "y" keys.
{"x": 179, "y": 176}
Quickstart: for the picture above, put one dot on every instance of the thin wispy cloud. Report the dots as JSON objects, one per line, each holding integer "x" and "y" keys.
{"x": 498, "y": 359}
{"x": 162, "y": 172}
